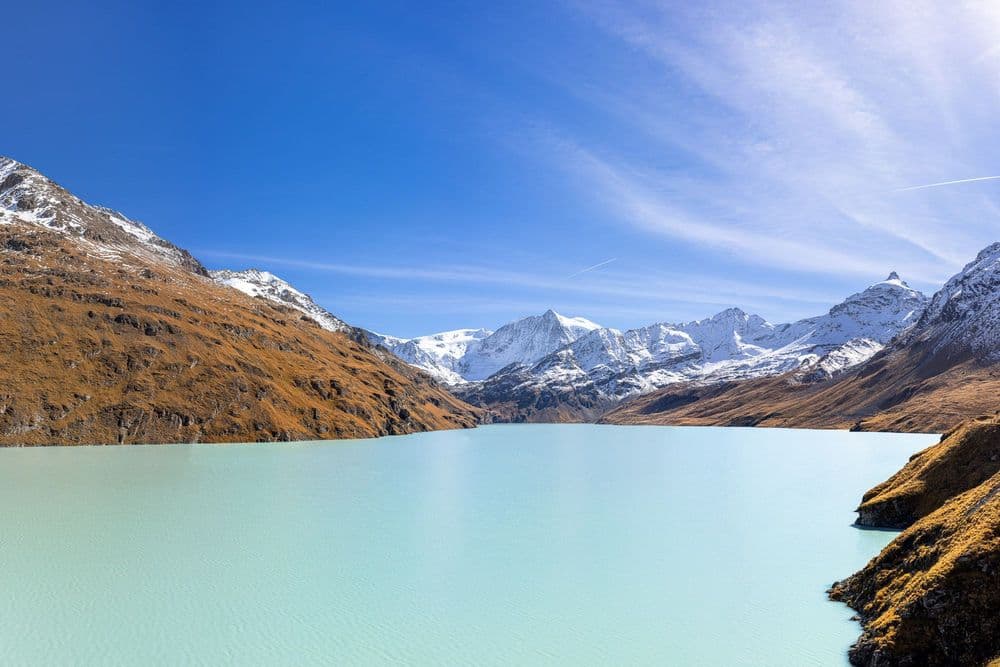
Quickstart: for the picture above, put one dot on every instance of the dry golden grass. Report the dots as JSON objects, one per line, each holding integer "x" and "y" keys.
{"x": 932, "y": 596}
{"x": 132, "y": 350}
{"x": 966, "y": 457}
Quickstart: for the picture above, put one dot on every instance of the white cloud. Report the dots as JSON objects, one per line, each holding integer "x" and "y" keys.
{"x": 665, "y": 296}
{"x": 802, "y": 131}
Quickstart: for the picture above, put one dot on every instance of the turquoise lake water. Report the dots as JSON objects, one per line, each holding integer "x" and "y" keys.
{"x": 515, "y": 544}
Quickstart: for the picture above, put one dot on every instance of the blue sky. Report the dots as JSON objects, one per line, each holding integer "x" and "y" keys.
{"x": 424, "y": 166}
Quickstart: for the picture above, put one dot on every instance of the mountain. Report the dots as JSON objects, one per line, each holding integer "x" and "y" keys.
{"x": 464, "y": 355}
{"x": 438, "y": 354}
{"x": 942, "y": 369}
{"x": 963, "y": 318}
{"x": 522, "y": 342}
{"x": 34, "y": 203}
{"x": 605, "y": 366}
{"x": 111, "y": 334}
{"x": 931, "y": 596}
{"x": 257, "y": 283}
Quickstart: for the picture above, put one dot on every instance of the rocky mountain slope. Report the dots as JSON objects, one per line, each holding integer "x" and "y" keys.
{"x": 940, "y": 371}
{"x": 605, "y": 366}
{"x": 931, "y": 597}
{"x": 110, "y": 334}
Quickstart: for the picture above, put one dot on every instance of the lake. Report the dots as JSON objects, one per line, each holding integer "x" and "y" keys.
{"x": 508, "y": 544}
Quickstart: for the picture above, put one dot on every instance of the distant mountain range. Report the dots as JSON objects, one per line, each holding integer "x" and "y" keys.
{"x": 938, "y": 371}
{"x": 465, "y": 355}
{"x": 551, "y": 367}
{"x": 885, "y": 358}
{"x": 111, "y": 334}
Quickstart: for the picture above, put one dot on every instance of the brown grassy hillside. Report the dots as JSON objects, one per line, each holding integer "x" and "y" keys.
{"x": 932, "y": 597}
{"x": 115, "y": 347}
{"x": 904, "y": 390}
{"x": 966, "y": 457}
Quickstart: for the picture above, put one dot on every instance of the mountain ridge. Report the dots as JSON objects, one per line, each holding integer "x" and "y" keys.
{"x": 111, "y": 334}
{"x": 938, "y": 371}
{"x": 266, "y": 285}
{"x": 603, "y": 366}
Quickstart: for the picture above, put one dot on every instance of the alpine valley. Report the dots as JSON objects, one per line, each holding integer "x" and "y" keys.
{"x": 885, "y": 358}
{"x": 112, "y": 334}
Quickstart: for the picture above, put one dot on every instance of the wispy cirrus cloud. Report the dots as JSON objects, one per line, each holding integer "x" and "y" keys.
{"x": 659, "y": 291}
{"x": 592, "y": 268}
{"x": 943, "y": 183}
{"x": 792, "y": 135}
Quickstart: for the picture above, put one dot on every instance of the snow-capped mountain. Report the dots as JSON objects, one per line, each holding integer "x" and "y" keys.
{"x": 465, "y": 355}
{"x": 731, "y": 334}
{"x": 939, "y": 370}
{"x": 266, "y": 285}
{"x": 438, "y": 354}
{"x": 608, "y": 365}
{"x": 522, "y": 342}
{"x": 850, "y": 333}
{"x": 963, "y": 317}
{"x": 28, "y": 197}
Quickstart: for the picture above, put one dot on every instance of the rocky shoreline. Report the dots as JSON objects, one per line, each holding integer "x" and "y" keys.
{"x": 932, "y": 596}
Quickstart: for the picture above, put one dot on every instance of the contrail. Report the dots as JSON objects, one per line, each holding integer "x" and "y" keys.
{"x": 937, "y": 185}
{"x": 591, "y": 268}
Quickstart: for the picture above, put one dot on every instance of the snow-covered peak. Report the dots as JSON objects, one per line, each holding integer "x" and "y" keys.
{"x": 603, "y": 366}
{"x": 965, "y": 313}
{"x": 879, "y": 313}
{"x": 729, "y": 334}
{"x": 266, "y": 285}
{"x": 27, "y": 197}
{"x": 575, "y": 324}
{"x": 989, "y": 254}
{"x": 439, "y": 354}
{"x": 523, "y": 341}
{"x": 893, "y": 282}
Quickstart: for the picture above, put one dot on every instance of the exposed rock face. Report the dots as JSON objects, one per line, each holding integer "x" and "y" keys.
{"x": 932, "y": 597}
{"x": 511, "y": 397}
{"x": 109, "y": 334}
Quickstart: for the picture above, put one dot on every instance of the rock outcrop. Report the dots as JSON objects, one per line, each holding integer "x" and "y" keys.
{"x": 965, "y": 458}
{"x": 932, "y": 597}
